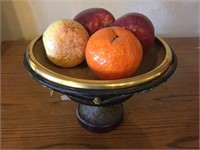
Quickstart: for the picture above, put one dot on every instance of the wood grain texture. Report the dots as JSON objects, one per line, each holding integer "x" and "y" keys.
{"x": 166, "y": 117}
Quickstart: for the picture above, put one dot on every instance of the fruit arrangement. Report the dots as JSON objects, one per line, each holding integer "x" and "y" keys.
{"x": 113, "y": 48}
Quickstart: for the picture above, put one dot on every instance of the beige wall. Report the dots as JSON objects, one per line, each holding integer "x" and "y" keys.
{"x": 25, "y": 19}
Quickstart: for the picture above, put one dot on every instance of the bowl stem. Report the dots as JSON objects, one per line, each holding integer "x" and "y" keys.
{"x": 100, "y": 118}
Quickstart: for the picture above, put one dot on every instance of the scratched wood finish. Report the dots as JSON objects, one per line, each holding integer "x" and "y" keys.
{"x": 166, "y": 117}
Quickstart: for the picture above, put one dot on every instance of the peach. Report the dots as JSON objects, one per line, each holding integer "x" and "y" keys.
{"x": 65, "y": 42}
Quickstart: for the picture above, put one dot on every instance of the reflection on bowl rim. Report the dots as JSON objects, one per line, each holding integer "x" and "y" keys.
{"x": 97, "y": 84}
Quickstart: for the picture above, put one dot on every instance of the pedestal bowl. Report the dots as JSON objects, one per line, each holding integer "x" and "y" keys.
{"x": 100, "y": 102}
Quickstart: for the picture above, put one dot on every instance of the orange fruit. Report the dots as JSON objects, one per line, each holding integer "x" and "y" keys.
{"x": 113, "y": 53}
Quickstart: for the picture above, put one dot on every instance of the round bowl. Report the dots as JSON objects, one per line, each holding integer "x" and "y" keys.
{"x": 83, "y": 86}
{"x": 100, "y": 101}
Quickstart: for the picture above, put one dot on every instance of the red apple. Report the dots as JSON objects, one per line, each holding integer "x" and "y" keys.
{"x": 141, "y": 26}
{"x": 94, "y": 19}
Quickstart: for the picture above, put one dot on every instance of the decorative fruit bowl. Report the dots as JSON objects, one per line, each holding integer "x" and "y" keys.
{"x": 99, "y": 101}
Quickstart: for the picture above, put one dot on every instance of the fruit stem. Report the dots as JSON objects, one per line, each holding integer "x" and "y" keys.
{"x": 116, "y": 36}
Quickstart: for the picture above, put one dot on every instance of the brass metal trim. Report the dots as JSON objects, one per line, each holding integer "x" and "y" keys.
{"x": 98, "y": 84}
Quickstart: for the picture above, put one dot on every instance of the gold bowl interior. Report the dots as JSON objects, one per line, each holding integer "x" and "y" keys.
{"x": 154, "y": 64}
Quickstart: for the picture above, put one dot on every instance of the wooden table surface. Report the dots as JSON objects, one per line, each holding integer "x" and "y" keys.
{"x": 166, "y": 117}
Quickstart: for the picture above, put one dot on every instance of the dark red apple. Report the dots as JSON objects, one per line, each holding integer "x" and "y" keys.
{"x": 141, "y": 26}
{"x": 94, "y": 19}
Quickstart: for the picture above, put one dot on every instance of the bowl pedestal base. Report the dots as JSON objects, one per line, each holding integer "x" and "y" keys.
{"x": 100, "y": 118}
{"x": 100, "y": 106}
